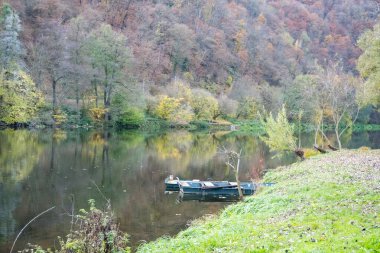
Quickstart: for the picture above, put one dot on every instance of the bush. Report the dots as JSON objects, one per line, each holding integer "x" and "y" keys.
{"x": 247, "y": 109}
{"x": 97, "y": 232}
{"x": 308, "y": 152}
{"x": 205, "y": 106}
{"x": 227, "y": 107}
{"x": 124, "y": 114}
{"x": 130, "y": 117}
{"x": 97, "y": 114}
{"x": 279, "y": 132}
{"x": 59, "y": 117}
{"x": 174, "y": 110}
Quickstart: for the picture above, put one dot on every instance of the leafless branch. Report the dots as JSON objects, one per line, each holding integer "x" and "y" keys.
{"x": 18, "y": 235}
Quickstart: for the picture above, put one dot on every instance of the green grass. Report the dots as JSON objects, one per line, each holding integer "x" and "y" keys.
{"x": 329, "y": 203}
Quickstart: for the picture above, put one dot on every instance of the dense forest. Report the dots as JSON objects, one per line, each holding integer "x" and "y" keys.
{"x": 123, "y": 61}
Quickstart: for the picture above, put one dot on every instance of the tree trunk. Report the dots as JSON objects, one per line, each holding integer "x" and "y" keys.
{"x": 124, "y": 25}
{"x": 317, "y": 129}
{"x": 54, "y": 86}
{"x": 77, "y": 99}
{"x": 237, "y": 179}
{"x": 107, "y": 97}
{"x": 338, "y": 138}
{"x": 96, "y": 93}
{"x": 107, "y": 116}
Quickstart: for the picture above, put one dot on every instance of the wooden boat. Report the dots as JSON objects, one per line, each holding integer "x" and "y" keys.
{"x": 207, "y": 198}
{"x": 217, "y": 189}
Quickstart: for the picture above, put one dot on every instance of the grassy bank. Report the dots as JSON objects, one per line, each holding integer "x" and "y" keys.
{"x": 328, "y": 203}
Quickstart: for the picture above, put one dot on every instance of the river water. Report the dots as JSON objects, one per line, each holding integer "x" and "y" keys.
{"x": 41, "y": 169}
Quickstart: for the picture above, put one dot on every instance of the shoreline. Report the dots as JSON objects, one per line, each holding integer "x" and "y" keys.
{"x": 236, "y": 126}
{"x": 328, "y": 203}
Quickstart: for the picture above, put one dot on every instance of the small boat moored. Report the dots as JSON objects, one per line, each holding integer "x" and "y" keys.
{"x": 210, "y": 190}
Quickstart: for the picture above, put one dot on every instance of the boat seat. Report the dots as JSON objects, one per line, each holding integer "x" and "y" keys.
{"x": 186, "y": 184}
{"x": 208, "y": 184}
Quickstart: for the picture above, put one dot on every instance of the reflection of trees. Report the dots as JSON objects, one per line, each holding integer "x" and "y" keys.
{"x": 129, "y": 167}
{"x": 254, "y": 155}
{"x": 203, "y": 149}
{"x": 19, "y": 153}
{"x": 8, "y": 201}
{"x": 173, "y": 149}
{"x": 173, "y": 145}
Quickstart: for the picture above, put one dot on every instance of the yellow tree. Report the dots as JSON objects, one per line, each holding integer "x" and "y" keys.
{"x": 19, "y": 97}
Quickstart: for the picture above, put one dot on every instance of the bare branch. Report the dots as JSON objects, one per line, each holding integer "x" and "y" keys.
{"x": 40, "y": 214}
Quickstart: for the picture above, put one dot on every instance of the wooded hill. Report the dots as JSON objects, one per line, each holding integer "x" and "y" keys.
{"x": 241, "y": 48}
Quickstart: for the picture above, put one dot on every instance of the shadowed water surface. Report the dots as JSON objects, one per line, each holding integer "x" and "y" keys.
{"x": 41, "y": 169}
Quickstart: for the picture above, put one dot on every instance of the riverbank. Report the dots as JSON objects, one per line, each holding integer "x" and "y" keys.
{"x": 328, "y": 203}
{"x": 156, "y": 125}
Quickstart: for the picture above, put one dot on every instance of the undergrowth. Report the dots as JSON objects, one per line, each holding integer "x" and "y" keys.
{"x": 95, "y": 231}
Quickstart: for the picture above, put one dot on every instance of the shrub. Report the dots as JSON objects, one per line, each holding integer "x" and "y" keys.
{"x": 310, "y": 152}
{"x": 97, "y": 232}
{"x": 59, "y": 117}
{"x": 227, "y": 107}
{"x": 279, "y": 132}
{"x": 97, "y": 114}
{"x": 247, "y": 109}
{"x": 205, "y": 106}
{"x": 130, "y": 117}
{"x": 174, "y": 110}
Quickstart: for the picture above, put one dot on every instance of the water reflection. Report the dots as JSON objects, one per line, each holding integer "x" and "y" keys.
{"x": 40, "y": 169}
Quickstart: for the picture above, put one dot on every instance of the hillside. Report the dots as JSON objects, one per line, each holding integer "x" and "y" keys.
{"x": 118, "y": 59}
{"x": 262, "y": 41}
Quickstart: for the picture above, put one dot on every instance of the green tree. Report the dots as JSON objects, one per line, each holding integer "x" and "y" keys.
{"x": 369, "y": 65}
{"x": 307, "y": 95}
{"x": 174, "y": 110}
{"x": 11, "y": 49}
{"x": 204, "y": 104}
{"x": 301, "y": 96}
{"x": 110, "y": 55}
{"x": 279, "y": 133}
{"x": 78, "y": 70}
{"x": 182, "y": 43}
{"x": 19, "y": 98}
{"x": 125, "y": 115}
{"x": 248, "y": 108}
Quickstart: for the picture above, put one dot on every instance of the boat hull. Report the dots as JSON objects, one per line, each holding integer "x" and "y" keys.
{"x": 246, "y": 188}
{"x": 201, "y": 190}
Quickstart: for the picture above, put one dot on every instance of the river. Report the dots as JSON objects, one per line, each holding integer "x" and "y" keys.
{"x": 41, "y": 169}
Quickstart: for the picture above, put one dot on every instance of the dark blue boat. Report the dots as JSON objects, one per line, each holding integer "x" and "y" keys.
{"x": 207, "y": 198}
{"x": 218, "y": 190}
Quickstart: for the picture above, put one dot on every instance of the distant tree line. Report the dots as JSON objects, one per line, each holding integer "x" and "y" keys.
{"x": 121, "y": 62}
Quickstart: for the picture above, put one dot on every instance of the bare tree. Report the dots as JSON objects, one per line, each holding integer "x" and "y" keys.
{"x": 340, "y": 90}
{"x": 233, "y": 161}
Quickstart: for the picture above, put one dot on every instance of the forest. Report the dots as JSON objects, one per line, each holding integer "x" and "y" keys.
{"x": 138, "y": 63}
{"x": 299, "y": 80}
